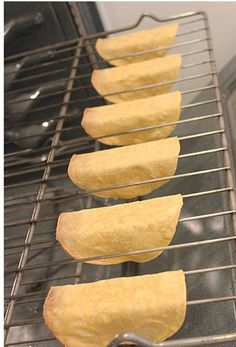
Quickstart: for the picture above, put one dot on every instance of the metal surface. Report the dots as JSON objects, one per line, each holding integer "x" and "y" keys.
{"x": 57, "y": 24}
{"x": 198, "y": 341}
{"x": 38, "y": 189}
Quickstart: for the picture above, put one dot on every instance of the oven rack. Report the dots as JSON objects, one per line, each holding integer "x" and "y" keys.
{"x": 45, "y": 166}
{"x": 181, "y": 156}
{"x": 126, "y": 91}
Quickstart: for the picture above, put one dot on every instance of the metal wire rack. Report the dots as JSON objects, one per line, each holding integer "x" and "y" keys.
{"x": 37, "y": 188}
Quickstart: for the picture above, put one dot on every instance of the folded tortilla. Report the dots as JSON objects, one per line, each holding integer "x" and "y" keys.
{"x": 91, "y": 314}
{"x": 135, "y": 43}
{"x": 125, "y": 116}
{"x": 123, "y": 165}
{"x": 117, "y": 80}
{"x": 119, "y": 229}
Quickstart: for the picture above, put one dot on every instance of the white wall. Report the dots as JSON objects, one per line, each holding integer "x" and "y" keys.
{"x": 222, "y": 17}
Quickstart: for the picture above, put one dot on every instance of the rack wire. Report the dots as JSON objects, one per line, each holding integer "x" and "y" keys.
{"x": 38, "y": 189}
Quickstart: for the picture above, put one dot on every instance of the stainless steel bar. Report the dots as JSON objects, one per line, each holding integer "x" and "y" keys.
{"x": 32, "y": 182}
{"x": 29, "y": 221}
{"x": 207, "y": 151}
{"x": 84, "y": 138}
{"x": 210, "y": 269}
{"x": 49, "y": 73}
{"x": 37, "y": 166}
{"x": 99, "y": 61}
{"x": 13, "y": 238}
{"x": 79, "y": 193}
{"x": 187, "y": 273}
{"x": 32, "y": 243}
{"x": 47, "y": 63}
{"x": 33, "y": 249}
{"x": 125, "y": 132}
{"x": 60, "y": 145}
{"x": 183, "y": 79}
{"x": 206, "y": 340}
{"x": 38, "y": 160}
{"x": 227, "y": 159}
{"x": 211, "y": 300}
{"x": 93, "y": 52}
{"x": 41, "y": 295}
{"x": 195, "y": 52}
{"x": 51, "y": 47}
{"x": 105, "y": 33}
{"x": 188, "y": 137}
{"x": 190, "y": 65}
{"x": 62, "y": 176}
{"x": 189, "y": 303}
{"x": 93, "y": 37}
{"x": 219, "y": 105}
{"x": 27, "y": 295}
{"x": 51, "y": 218}
{"x": 54, "y": 217}
{"x": 200, "y": 103}
{"x": 184, "y": 342}
{"x": 25, "y": 79}
{"x": 220, "y": 190}
{"x": 54, "y": 244}
{"x": 208, "y": 215}
{"x": 34, "y": 167}
{"x": 99, "y": 97}
{"x": 33, "y": 300}
{"x": 153, "y": 50}
{"x": 41, "y": 191}
{"x": 60, "y": 60}
{"x": 107, "y": 256}
{"x": 27, "y": 89}
{"x": 27, "y": 283}
{"x": 72, "y": 190}
{"x": 212, "y": 86}
{"x": 89, "y": 86}
{"x": 62, "y": 162}
{"x": 203, "y": 216}
{"x": 24, "y": 123}
{"x": 191, "y": 31}
{"x": 40, "y": 75}
{"x": 164, "y": 178}
{"x": 75, "y": 193}
{"x": 24, "y": 322}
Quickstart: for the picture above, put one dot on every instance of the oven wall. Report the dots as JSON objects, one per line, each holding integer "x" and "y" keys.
{"x": 55, "y": 24}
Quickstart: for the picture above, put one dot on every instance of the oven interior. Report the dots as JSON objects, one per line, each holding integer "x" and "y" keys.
{"x": 46, "y": 92}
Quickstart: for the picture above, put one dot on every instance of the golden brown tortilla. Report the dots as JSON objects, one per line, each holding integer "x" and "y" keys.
{"x": 125, "y": 116}
{"x": 91, "y": 314}
{"x": 128, "y": 77}
{"x": 137, "y": 42}
{"x": 119, "y": 229}
{"x": 122, "y": 165}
